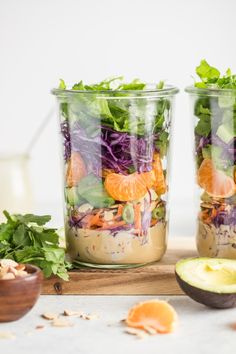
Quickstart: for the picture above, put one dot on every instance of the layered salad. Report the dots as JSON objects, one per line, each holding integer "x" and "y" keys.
{"x": 215, "y": 138}
{"x": 115, "y": 138}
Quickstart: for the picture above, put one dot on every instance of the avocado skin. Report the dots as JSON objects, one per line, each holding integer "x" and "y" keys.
{"x": 208, "y": 298}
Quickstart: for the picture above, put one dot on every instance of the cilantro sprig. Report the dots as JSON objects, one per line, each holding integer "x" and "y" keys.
{"x": 25, "y": 239}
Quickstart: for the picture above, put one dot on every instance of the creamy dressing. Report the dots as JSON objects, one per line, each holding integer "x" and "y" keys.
{"x": 122, "y": 247}
{"x": 215, "y": 241}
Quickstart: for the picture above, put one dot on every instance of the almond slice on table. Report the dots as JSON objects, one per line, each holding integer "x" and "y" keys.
{"x": 136, "y": 332}
{"x": 61, "y": 322}
{"x": 49, "y": 316}
{"x": 72, "y": 313}
{"x": 6, "y": 335}
{"x": 39, "y": 327}
{"x": 86, "y": 316}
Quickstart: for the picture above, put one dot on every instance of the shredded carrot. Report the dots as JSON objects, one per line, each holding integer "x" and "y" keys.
{"x": 204, "y": 215}
{"x": 153, "y": 222}
{"x": 95, "y": 220}
{"x": 213, "y": 213}
{"x": 137, "y": 216}
{"x": 119, "y": 211}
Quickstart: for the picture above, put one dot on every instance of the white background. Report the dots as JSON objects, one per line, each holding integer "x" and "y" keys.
{"x": 42, "y": 41}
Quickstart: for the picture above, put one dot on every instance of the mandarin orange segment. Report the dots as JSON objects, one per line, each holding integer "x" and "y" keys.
{"x": 215, "y": 182}
{"x": 130, "y": 187}
{"x": 155, "y": 314}
{"x": 160, "y": 183}
{"x": 75, "y": 170}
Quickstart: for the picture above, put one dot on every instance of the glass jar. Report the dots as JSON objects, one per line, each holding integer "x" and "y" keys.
{"x": 214, "y": 115}
{"x": 115, "y": 147}
{"x": 15, "y": 187}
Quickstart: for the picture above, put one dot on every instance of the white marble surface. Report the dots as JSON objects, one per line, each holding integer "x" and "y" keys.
{"x": 200, "y": 330}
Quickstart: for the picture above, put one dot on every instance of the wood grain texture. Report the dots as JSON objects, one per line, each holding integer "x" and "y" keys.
{"x": 153, "y": 279}
{"x": 18, "y": 296}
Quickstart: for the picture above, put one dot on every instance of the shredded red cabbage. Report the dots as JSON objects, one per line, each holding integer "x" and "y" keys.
{"x": 109, "y": 149}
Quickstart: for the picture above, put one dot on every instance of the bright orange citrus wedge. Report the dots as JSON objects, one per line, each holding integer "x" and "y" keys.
{"x": 215, "y": 182}
{"x": 155, "y": 314}
{"x": 130, "y": 187}
{"x": 75, "y": 170}
{"x": 160, "y": 183}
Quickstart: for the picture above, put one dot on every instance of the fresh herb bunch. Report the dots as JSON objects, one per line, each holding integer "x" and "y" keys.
{"x": 25, "y": 239}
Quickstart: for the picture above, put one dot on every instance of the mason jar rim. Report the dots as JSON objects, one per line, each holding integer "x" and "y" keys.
{"x": 168, "y": 90}
{"x": 210, "y": 91}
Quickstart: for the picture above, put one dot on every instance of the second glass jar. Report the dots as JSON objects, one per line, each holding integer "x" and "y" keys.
{"x": 214, "y": 114}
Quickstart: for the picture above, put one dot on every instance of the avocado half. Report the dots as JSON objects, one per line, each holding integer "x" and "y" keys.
{"x": 209, "y": 281}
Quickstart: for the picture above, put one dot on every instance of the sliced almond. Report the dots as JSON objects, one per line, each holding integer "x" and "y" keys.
{"x": 85, "y": 207}
{"x": 8, "y": 263}
{"x": 39, "y": 327}
{"x": 3, "y": 271}
{"x": 72, "y": 313}
{"x": 89, "y": 316}
{"x": 150, "y": 330}
{"x": 108, "y": 215}
{"x": 49, "y": 316}
{"x": 6, "y": 335}
{"x": 61, "y": 322}
{"x": 137, "y": 332}
{"x": 20, "y": 267}
{"x": 13, "y": 270}
{"x": 8, "y": 276}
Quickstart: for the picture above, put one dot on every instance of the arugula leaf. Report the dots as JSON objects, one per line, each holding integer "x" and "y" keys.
{"x": 25, "y": 239}
{"x": 207, "y": 72}
{"x": 160, "y": 85}
{"x": 136, "y": 84}
{"x": 79, "y": 86}
{"x": 162, "y": 143}
{"x": 62, "y": 85}
{"x": 203, "y": 126}
{"x": 211, "y": 78}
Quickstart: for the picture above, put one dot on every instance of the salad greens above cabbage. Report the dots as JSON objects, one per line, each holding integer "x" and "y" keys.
{"x": 211, "y": 77}
{"x": 215, "y": 131}
{"x": 137, "y": 116}
{"x": 111, "y": 84}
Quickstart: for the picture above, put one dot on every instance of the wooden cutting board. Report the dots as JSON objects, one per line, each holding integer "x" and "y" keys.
{"x": 155, "y": 279}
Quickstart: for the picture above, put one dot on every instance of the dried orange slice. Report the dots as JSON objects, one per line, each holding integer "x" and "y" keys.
{"x": 130, "y": 187}
{"x": 160, "y": 183}
{"x": 215, "y": 182}
{"x": 155, "y": 314}
{"x": 75, "y": 170}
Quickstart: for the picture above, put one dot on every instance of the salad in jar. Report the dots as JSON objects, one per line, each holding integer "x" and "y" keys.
{"x": 214, "y": 99}
{"x": 115, "y": 143}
